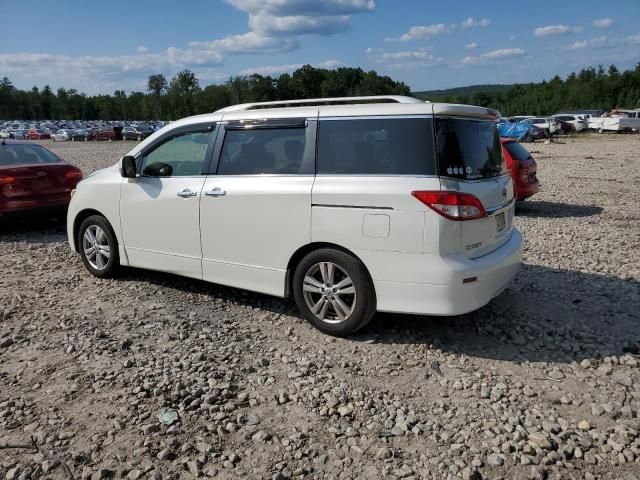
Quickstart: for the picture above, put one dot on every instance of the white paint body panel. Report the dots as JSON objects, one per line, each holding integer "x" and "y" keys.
{"x": 250, "y": 233}
{"x": 160, "y": 230}
{"x": 247, "y": 237}
{"x": 614, "y": 124}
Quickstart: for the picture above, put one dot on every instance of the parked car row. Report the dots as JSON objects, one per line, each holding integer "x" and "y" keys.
{"x": 61, "y": 131}
{"x": 531, "y": 128}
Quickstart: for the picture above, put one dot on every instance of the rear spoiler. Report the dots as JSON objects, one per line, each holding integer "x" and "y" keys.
{"x": 465, "y": 111}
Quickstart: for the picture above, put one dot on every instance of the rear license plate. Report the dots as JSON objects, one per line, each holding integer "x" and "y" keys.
{"x": 500, "y": 222}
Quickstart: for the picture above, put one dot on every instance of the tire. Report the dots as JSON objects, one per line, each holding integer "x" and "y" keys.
{"x": 528, "y": 138}
{"x": 339, "y": 314}
{"x": 97, "y": 265}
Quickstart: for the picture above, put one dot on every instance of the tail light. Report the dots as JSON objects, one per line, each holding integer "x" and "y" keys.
{"x": 452, "y": 205}
{"x": 73, "y": 175}
{"x": 6, "y": 179}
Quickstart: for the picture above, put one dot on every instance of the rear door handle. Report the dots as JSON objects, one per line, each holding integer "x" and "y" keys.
{"x": 186, "y": 193}
{"x": 215, "y": 192}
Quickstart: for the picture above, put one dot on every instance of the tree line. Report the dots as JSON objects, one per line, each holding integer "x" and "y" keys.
{"x": 183, "y": 96}
{"x": 590, "y": 88}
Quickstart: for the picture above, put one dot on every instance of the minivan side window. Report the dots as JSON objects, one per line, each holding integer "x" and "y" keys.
{"x": 278, "y": 151}
{"x": 182, "y": 155}
{"x": 376, "y": 146}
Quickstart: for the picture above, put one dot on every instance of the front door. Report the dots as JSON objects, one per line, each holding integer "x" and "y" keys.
{"x": 159, "y": 210}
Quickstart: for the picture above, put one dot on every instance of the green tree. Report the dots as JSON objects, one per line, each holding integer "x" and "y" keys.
{"x": 157, "y": 85}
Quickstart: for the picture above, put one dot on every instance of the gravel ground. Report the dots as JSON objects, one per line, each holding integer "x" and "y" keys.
{"x": 541, "y": 383}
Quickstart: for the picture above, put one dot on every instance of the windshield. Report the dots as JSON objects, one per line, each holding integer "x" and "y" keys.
{"x": 468, "y": 149}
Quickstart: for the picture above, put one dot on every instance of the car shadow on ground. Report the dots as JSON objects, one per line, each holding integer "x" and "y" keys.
{"x": 546, "y": 315}
{"x": 34, "y": 228}
{"x": 532, "y": 208}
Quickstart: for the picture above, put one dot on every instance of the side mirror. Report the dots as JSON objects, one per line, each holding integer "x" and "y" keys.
{"x": 128, "y": 169}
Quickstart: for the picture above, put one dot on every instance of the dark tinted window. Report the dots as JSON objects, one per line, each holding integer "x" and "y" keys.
{"x": 264, "y": 150}
{"x": 16, "y": 154}
{"x": 517, "y": 151}
{"x": 389, "y": 146}
{"x": 468, "y": 149}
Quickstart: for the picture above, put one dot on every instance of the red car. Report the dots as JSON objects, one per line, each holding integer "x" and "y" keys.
{"x": 35, "y": 134}
{"x": 522, "y": 168}
{"x": 108, "y": 133}
{"x": 32, "y": 178}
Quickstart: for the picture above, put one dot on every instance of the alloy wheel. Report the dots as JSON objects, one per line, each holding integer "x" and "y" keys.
{"x": 96, "y": 247}
{"x": 329, "y": 292}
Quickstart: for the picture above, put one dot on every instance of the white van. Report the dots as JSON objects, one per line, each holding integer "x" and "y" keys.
{"x": 350, "y": 205}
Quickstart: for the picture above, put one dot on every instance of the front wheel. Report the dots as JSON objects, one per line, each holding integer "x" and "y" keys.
{"x": 334, "y": 292}
{"x": 98, "y": 247}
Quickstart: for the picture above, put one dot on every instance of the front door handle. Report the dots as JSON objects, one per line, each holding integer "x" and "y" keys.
{"x": 216, "y": 192}
{"x": 186, "y": 193}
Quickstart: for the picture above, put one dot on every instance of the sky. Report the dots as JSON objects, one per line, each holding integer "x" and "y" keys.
{"x": 98, "y": 47}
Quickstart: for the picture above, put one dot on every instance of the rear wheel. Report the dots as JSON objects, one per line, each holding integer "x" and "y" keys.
{"x": 334, "y": 292}
{"x": 98, "y": 247}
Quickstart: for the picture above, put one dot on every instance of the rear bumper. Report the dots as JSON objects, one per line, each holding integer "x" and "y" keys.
{"x": 18, "y": 207}
{"x": 447, "y": 294}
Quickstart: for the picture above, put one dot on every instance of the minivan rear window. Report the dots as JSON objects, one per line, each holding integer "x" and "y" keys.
{"x": 468, "y": 149}
{"x": 376, "y": 146}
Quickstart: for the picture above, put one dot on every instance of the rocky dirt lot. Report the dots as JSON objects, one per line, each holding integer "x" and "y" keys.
{"x": 544, "y": 382}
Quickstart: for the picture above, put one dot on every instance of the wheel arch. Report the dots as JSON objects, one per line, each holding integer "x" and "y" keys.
{"x": 79, "y": 218}
{"x": 304, "y": 250}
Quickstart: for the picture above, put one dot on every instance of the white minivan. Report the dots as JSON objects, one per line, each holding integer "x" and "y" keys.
{"x": 350, "y": 205}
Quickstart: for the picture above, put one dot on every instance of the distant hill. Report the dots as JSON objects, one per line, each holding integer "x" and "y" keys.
{"x": 458, "y": 91}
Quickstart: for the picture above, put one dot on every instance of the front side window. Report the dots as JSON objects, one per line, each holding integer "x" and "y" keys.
{"x": 468, "y": 149}
{"x": 182, "y": 155}
{"x": 376, "y": 146}
{"x": 278, "y": 151}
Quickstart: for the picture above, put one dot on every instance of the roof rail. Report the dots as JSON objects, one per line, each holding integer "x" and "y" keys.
{"x": 322, "y": 101}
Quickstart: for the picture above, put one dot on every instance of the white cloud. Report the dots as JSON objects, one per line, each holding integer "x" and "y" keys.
{"x": 405, "y": 59}
{"x": 425, "y": 31}
{"x": 603, "y": 22}
{"x": 92, "y": 73}
{"x": 471, "y": 46}
{"x": 555, "y": 30}
{"x": 472, "y": 22}
{"x": 420, "y": 32}
{"x": 272, "y": 70}
{"x": 268, "y": 25}
{"x": 276, "y": 26}
{"x": 500, "y": 54}
{"x": 632, "y": 40}
{"x": 301, "y": 17}
{"x": 594, "y": 42}
{"x": 282, "y": 8}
